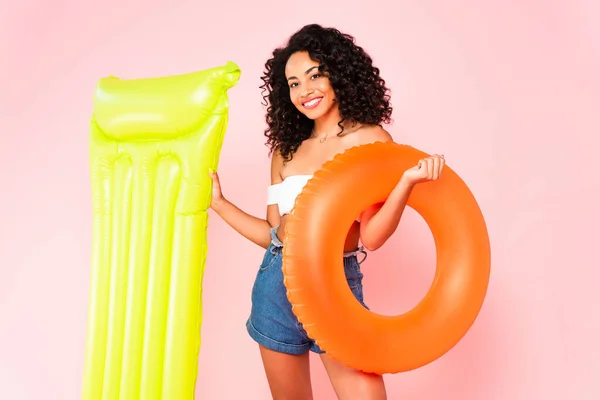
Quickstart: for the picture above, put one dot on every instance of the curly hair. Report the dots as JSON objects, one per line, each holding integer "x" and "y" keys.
{"x": 360, "y": 92}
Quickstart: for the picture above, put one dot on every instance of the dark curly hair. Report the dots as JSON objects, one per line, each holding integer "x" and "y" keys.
{"x": 360, "y": 92}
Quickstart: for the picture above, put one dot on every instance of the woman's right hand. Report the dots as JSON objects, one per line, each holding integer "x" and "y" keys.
{"x": 217, "y": 194}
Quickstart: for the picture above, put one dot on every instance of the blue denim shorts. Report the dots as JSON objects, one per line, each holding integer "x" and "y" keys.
{"x": 272, "y": 323}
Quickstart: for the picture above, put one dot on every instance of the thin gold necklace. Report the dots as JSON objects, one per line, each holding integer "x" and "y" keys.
{"x": 321, "y": 139}
{"x": 324, "y": 138}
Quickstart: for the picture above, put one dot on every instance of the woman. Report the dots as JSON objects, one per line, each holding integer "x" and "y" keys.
{"x": 324, "y": 96}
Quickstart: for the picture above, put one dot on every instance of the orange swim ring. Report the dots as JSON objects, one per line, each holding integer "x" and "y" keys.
{"x": 315, "y": 280}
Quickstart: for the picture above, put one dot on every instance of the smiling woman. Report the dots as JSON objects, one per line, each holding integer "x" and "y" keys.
{"x": 324, "y": 96}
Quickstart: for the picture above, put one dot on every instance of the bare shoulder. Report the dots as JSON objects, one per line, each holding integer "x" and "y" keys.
{"x": 373, "y": 133}
{"x": 276, "y": 167}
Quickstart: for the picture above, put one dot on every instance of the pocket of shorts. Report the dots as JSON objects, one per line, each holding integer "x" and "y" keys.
{"x": 268, "y": 261}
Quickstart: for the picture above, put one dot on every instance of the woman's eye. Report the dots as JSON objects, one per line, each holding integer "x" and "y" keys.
{"x": 294, "y": 85}
{"x": 315, "y": 76}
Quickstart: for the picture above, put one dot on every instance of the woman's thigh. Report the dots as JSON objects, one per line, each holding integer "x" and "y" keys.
{"x": 351, "y": 384}
{"x": 288, "y": 374}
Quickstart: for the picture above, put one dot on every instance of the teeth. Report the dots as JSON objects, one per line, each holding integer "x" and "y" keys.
{"x": 312, "y": 102}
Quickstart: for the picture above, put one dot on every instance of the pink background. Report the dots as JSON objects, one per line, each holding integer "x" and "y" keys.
{"x": 509, "y": 91}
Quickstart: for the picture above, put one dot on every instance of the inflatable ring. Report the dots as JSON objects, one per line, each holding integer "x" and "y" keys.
{"x": 315, "y": 280}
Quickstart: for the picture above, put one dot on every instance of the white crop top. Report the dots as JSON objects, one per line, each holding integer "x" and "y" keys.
{"x": 284, "y": 193}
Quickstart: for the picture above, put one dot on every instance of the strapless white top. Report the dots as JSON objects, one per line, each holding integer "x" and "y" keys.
{"x": 284, "y": 193}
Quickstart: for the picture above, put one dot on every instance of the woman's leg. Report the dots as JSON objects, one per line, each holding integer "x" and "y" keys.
{"x": 288, "y": 374}
{"x": 349, "y": 383}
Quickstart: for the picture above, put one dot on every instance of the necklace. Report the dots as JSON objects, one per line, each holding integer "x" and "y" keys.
{"x": 321, "y": 139}
{"x": 324, "y": 138}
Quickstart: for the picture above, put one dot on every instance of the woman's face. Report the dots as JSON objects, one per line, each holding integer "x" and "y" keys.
{"x": 310, "y": 89}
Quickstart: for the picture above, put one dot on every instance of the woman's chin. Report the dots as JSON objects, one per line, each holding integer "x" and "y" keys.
{"x": 316, "y": 113}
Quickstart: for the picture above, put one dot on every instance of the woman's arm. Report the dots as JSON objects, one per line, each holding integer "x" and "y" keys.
{"x": 379, "y": 222}
{"x": 255, "y": 229}
{"x": 273, "y": 216}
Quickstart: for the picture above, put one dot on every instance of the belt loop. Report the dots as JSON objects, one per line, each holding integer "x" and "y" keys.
{"x": 362, "y": 250}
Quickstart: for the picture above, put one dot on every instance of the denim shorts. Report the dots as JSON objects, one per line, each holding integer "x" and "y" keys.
{"x": 272, "y": 323}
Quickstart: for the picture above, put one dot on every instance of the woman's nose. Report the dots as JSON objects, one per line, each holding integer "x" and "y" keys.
{"x": 307, "y": 90}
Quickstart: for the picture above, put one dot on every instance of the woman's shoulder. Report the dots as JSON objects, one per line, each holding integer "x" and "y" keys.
{"x": 372, "y": 133}
{"x": 277, "y": 164}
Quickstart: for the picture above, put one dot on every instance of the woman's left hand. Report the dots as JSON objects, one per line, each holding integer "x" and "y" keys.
{"x": 428, "y": 169}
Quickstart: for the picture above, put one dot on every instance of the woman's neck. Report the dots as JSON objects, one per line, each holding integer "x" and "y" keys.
{"x": 327, "y": 124}
{"x": 330, "y": 128}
